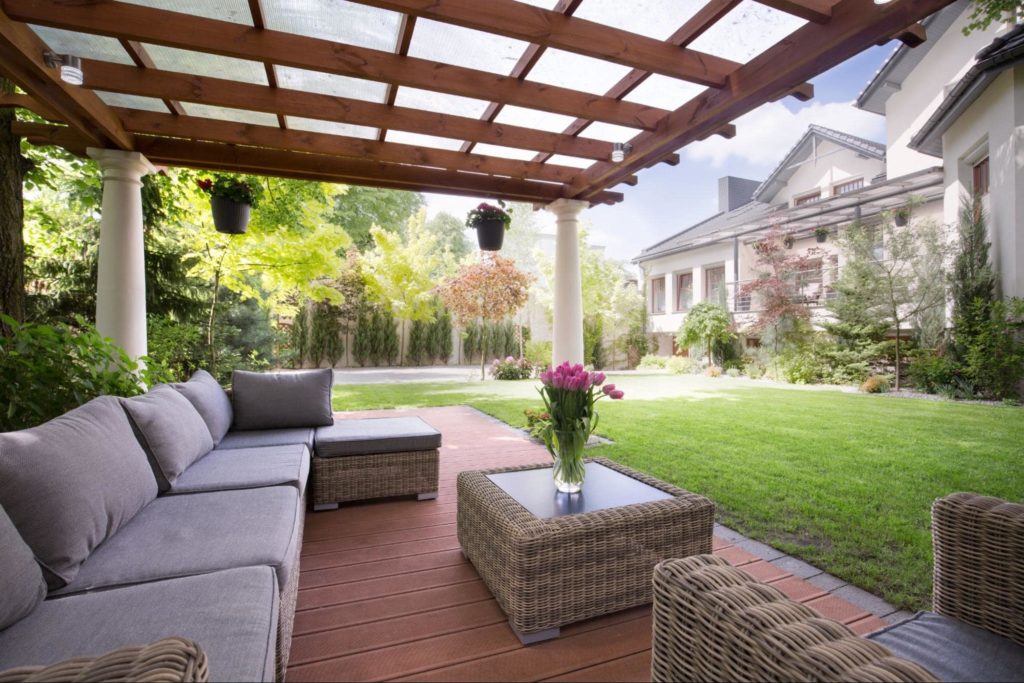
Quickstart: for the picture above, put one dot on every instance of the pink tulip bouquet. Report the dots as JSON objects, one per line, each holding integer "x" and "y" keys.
{"x": 570, "y": 394}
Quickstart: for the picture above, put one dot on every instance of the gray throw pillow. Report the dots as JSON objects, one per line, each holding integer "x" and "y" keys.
{"x": 21, "y": 581}
{"x": 171, "y": 430}
{"x": 276, "y": 400}
{"x": 209, "y": 398}
{"x": 71, "y": 483}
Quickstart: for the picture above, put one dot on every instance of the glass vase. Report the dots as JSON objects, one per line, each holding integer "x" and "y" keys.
{"x": 569, "y": 468}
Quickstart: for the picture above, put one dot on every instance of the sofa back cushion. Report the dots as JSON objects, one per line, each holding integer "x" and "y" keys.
{"x": 72, "y": 482}
{"x": 21, "y": 581}
{"x": 211, "y": 401}
{"x": 276, "y": 400}
{"x": 171, "y": 431}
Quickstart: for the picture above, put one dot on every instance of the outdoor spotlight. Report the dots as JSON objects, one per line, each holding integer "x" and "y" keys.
{"x": 70, "y": 67}
{"x": 620, "y": 150}
{"x": 882, "y": 2}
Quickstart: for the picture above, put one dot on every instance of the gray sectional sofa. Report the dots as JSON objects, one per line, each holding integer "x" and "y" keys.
{"x": 175, "y": 513}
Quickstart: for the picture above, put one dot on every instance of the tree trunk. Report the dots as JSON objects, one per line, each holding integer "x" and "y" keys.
{"x": 711, "y": 361}
{"x": 897, "y": 354}
{"x": 210, "y": 323}
{"x": 12, "y": 217}
{"x": 483, "y": 354}
{"x": 401, "y": 345}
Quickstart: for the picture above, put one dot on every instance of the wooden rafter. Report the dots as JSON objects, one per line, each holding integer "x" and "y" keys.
{"x": 557, "y": 30}
{"x": 259, "y": 23}
{"x": 137, "y": 51}
{"x": 818, "y": 11}
{"x": 405, "y": 31}
{"x": 811, "y": 50}
{"x": 174, "y": 29}
{"x": 236, "y": 95}
{"x": 21, "y": 53}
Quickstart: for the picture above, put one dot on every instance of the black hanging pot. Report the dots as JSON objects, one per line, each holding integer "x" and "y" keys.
{"x": 821, "y": 237}
{"x": 900, "y": 218}
{"x": 229, "y": 216}
{"x": 490, "y": 234}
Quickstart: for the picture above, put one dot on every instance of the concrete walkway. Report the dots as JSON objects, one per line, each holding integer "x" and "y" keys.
{"x": 453, "y": 373}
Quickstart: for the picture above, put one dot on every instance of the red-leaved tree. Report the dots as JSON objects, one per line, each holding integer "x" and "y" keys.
{"x": 491, "y": 289}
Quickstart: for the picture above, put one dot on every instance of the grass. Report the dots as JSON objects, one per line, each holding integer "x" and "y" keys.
{"x": 844, "y": 481}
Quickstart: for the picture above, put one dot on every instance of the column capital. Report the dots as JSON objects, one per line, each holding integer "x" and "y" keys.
{"x": 118, "y": 164}
{"x": 567, "y": 209}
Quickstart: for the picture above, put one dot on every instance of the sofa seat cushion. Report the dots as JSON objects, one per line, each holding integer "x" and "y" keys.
{"x": 247, "y": 468}
{"x": 211, "y": 401}
{"x": 953, "y": 650}
{"x": 267, "y": 437}
{"x": 278, "y": 400}
{"x": 375, "y": 435}
{"x": 171, "y": 431}
{"x": 232, "y": 615}
{"x": 71, "y": 483}
{"x": 197, "y": 533}
{"x": 21, "y": 581}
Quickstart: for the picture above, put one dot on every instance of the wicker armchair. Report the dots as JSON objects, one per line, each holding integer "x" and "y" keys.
{"x": 167, "y": 660}
{"x": 713, "y": 622}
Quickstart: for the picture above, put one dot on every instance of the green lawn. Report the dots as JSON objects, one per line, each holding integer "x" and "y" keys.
{"x": 842, "y": 480}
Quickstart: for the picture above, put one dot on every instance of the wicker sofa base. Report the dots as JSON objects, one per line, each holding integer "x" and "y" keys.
{"x": 379, "y": 475}
{"x": 170, "y": 659}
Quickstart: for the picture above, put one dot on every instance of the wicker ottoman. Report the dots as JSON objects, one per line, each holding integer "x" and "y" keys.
{"x": 374, "y": 458}
{"x": 552, "y": 559}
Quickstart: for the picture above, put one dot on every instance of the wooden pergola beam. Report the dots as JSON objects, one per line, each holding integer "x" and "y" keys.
{"x": 137, "y": 51}
{"x": 811, "y": 50}
{"x": 30, "y": 103}
{"x": 174, "y": 29}
{"x": 236, "y": 95}
{"x": 557, "y": 30}
{"x": 260, "y": 23}
{"x": 21, "y": 53}
{"x": 818, "y": 11}
{"x": 405, "y": 31}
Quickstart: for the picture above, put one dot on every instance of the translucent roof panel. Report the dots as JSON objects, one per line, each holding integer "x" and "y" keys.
{"x": 504, "y": 152}
{"x": 336, "y": 20}
{"x": 257, "y": 118}
{"x": 565, "y": 160}
{"x": 465, "y": 47}
{"x": 332, "y": 127}
{"x": 205, "y": 64}
{"x": 609, "y": 132}
{"x": 570, "y": 70}
{"x": 664, "y": 92}
{"x": 83, "y": 45}
{"x": 653, "y": 18}
{"x": 422, "y": 140}
{"x": 330, "y": 84}
{"x": 235, "y": 11}
{"x": 746, "y": 31}
{"x": 116, "y": 99}
{"x": 441, "y": 103}
{"x": 532, "y": 118}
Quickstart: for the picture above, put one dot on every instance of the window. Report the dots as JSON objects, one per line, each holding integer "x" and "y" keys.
{"x": 809, "y": 283}
{"x": 684, "y": 291}
{"x": 714, "y": 285}
{"x": 807, "y": 198}
{"x": 658, "y": 294}
{"x": 981, "y": 178}
{"x": 848, "y": 186}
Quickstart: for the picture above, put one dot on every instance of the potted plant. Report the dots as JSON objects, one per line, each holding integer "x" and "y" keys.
{"x": 820, "y": 234}
{"x": 231, "y": 201}
{"x": 490, "y": 223}
{"x": 789, "y": 241}
{"x": 900, "y": 216}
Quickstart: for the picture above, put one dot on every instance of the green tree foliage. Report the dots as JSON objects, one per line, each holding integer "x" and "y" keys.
{"x": 451, "y": 236}
{"x": 325, "y": 334}
{"x": 705, "y": 324}
{"x": 419, "y": 343}
{"x": 856, "y": 331}
{"x": 300, "y": 336}
{"x": 972, "y": 281}
{"x": 593, "y": 342}
{"x": 357, "y": 209}
{"x": 375, "y": 341}
{"x": 985, "y": 12}
{"x": 441, "y": 336}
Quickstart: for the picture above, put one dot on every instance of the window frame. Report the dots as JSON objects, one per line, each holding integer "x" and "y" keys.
{"x": 848, "y": 181}
{"x": 676, "y": 276}
{"x": 806, "y": 198}
{"x": 664, "y": 292}
{"x": 707, "y": 283}
{"x": 983, "y": 168}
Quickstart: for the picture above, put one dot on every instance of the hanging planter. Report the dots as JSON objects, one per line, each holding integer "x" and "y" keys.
{"x": 789, "y": 241}
{"x": 490, "y": 223}
{"x": 821, "y": 235}
{"x": 900, "y": 217}
{"x": 231, "y": 202}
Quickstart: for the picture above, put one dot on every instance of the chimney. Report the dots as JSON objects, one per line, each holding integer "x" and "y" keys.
{"x": 734, "y": 192}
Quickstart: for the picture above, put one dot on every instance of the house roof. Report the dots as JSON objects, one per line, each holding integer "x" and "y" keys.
{"x": 720, "y": 222}
{"x": 802, "y": 149}
{"x": 901, "y": 61}
{"x": 1003, "y": 53}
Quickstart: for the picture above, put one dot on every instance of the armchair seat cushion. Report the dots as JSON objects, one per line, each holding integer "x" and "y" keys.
{"x": 247, "y": 468}
{"x": 267, "y": 437}
{"x": 376, "y": 435}
{"x": 953, "y": 650}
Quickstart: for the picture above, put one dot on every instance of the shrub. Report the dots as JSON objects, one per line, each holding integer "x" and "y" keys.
{"x": 875, "y": 384}
{"x": 680, "y": 365}
{"x": 713, "y": 371}
{"x": 538, "y": 353}
{"x": 652, "y": 362}
{"x": 802, "y": 367}
{"x": 48, "y": 370}
{"x": 995, "y": 354}
{"x": 537, "y": 422}
{"x": 511, "y": 368}
{"x": 929, "y": 371}
{"x": 756, "y": 370}
{"x": 732, "y": 372}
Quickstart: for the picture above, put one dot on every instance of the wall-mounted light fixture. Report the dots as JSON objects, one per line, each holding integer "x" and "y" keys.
{"x": 882, "y": 2}
{"x": 620, "y": 150}
{"x": 70, "y": 67}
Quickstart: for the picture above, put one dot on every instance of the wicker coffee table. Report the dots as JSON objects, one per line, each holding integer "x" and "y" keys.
{"x": 551, "y": 559}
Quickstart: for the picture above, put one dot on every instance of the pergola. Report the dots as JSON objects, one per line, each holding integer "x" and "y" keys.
{"x": 524, "y": 101}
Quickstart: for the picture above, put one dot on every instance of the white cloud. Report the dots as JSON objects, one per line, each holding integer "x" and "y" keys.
{"x": 765, "y": 135}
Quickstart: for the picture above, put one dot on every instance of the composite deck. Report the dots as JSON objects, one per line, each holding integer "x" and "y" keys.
{"x": 385, "y": 593}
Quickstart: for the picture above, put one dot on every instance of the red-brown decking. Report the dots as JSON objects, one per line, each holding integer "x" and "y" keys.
{"x": 385, "y": 593}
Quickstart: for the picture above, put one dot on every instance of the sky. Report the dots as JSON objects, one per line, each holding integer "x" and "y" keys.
{"x": 668, "y": 199}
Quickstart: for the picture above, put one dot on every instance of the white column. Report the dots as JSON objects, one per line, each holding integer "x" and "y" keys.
{"x": 568, "y": 309}
{"x": 121, "y": 279}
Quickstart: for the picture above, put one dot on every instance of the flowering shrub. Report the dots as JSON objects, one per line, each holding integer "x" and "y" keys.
{"x": 652, "y": 362}
{"x": 876, "y": 384}
{"x": 680, "y": 365}
{"x": 537, "y": 421}
{"x": 511, "y": 368}
{"x": 713, "y": 371}
{"x": 231, "y": 188}
{"x": 488, "y": 212}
